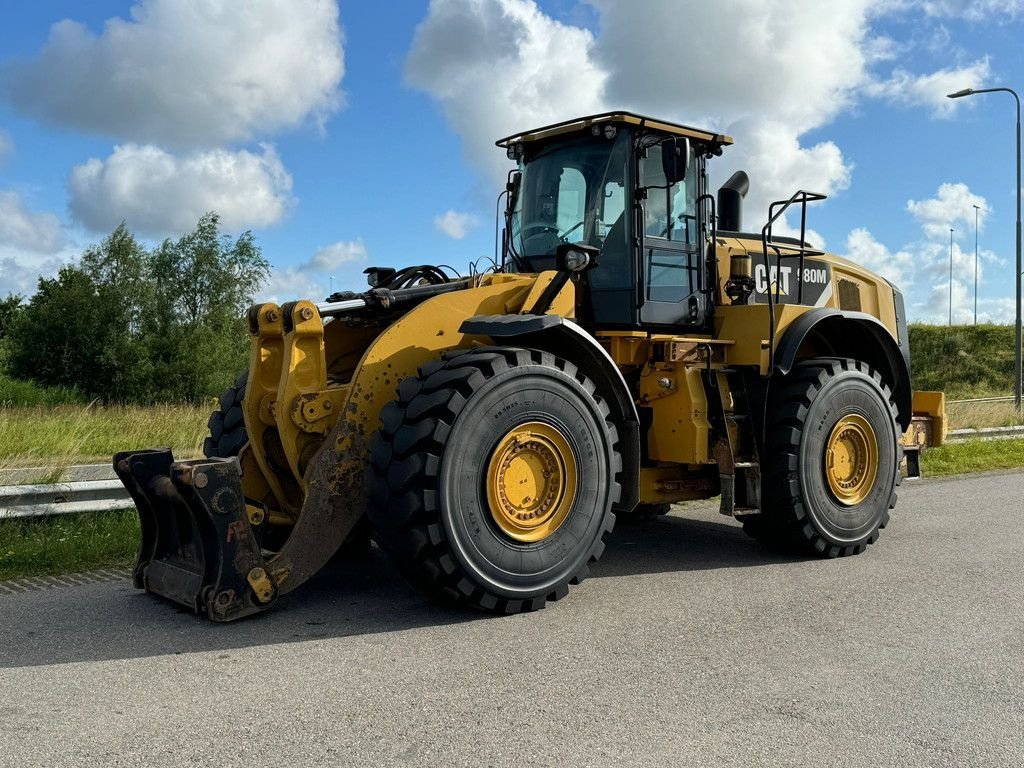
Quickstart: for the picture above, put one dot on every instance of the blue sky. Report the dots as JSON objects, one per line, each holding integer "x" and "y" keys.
{"x": 359, "y": 134}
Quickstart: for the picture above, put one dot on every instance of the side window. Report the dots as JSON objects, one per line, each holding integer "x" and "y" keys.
{"x": 656, "y": 208}
{"x": 614, "y": 205}
{"x": 671, "y": 255}
{"x": 572, "y": 198}
{"x": 684, "y": 214}
{"x": 670, "y": 274}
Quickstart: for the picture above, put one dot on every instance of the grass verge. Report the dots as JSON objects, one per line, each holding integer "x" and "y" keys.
{"x": 70, "y": 434}
{"x": 975, "y": 414}
{"x": 972, "y": 456}
{"x": 67, "y": 543}
{"x": 14, "y": 392}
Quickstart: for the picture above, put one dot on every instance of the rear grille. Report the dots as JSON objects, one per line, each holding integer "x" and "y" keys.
{"x": 849, "y": 295}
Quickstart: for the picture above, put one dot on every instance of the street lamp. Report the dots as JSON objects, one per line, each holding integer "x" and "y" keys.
{"x": 976, "y": 265}
{"x": 1017, "y": 329}
{"x": 951, "y": 276}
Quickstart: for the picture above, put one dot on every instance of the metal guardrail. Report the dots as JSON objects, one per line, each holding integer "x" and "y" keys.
{"x": 62, "y": 498}
{"x": 985, "y": 433}
{"x": 980, "y": 400}
{"x": 71, "y": 473}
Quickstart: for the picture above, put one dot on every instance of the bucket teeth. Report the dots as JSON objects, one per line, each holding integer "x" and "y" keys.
{"x": 200, "y": 546}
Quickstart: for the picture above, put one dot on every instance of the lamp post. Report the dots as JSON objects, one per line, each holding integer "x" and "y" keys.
{"x": 1017, "y": 329}
{"x": 975, "y": 265}
{"x": 951, "y": 276}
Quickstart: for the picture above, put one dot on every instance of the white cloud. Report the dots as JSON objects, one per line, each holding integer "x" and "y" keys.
{"x": 6, "y": 146}
{"x": 312, "y": 278}
{"x": 952, "y": 207}
{"x": 290, "y": 284}
{"x": 25, "y": 230}
{"x": 930, "y": 90}
{"x": 335, "y": 255}
{"x": 922, "y": 269}
{"x": 161, "y": 194}
{"x": 498, "y": 66}
{"x": 974, "y": 10}
{"x": 187, "y": 72}
{"x": 797, "y": 61}
{"x": 455, "y": 224}
{"x": 20, "y": 270}
{"x": 793, "y": 66}
{"x": 864, "y": 249}
{"x": 934, "y": 308}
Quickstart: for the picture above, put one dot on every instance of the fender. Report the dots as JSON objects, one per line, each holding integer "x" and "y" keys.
{"x": 564, "y": 338}
{"x": 858, "y": 335}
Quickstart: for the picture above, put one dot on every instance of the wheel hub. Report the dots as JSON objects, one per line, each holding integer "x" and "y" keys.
{"x": 851, "y": 459}
{"x": 531, "y": 481}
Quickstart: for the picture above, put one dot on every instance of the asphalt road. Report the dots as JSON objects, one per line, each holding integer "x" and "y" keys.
{"x": 690, "y": 645}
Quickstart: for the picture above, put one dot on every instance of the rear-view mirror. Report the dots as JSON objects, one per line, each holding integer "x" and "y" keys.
{"x": 675, "y": 158}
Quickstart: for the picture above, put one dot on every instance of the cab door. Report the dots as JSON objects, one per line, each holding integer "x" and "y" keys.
{"x": 671, "y": 260}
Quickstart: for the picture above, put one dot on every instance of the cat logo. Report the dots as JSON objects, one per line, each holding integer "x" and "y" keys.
{"x": 813, "y": 285}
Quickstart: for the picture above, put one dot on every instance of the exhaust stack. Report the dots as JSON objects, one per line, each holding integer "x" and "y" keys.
{"x": 730, "y": 202}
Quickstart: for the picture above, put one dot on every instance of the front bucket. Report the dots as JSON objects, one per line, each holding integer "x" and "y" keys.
{"x": 200, "y": 539}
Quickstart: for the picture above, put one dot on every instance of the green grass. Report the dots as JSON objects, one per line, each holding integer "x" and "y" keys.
{"x": 15, "y": 392}
{"x": 67, "y": 543}
{"x": 975, "y": 415}
{"x": 71, "y": 434}
{"x": 963, "y": 361}
{"x": 972, "y": 456}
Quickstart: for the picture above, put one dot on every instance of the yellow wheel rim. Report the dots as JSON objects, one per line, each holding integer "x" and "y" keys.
{"x": 851, "y": 459}
{"x": 531, "y": 481}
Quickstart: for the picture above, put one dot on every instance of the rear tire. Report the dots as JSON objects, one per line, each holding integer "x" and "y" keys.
{"x": 227, "y": 426}
{"x": 447, "y": 494}
{"x": 832, "y": 459}
{"x": 228, "y": 436}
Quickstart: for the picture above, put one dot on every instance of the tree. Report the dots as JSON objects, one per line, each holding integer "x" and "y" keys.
{"x": 9, "y": 308}
{"x": 82, "y": 328}
{"x": 203, "y": 284}
{"x": 127, "y": 324}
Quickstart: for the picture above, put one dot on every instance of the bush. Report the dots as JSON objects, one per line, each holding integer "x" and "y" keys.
{"x": 131, "y": 325}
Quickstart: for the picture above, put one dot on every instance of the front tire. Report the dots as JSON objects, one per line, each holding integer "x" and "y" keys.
{"x": 832, "y": 459}
{"x": 493, "y": 476}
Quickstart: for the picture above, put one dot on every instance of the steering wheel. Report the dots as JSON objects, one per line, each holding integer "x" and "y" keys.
{"x": 570, "y": 230}
{"x": 537, "y": 225}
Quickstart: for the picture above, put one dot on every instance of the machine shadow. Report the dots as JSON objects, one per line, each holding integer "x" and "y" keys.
{"x": 675, "y": 543}
{"x": 113, "y": 621}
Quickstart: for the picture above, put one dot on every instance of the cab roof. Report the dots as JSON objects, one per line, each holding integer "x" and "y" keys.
{"x": 614, "y": 118}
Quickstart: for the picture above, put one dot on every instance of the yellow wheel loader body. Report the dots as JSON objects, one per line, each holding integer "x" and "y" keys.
{"x": 632, "y": 348}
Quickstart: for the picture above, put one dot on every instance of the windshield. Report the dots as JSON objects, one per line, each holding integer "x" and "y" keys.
{"x": 569, "y": 193}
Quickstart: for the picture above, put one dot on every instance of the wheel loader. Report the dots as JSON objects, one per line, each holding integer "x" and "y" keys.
{"x": 629, "y": 347}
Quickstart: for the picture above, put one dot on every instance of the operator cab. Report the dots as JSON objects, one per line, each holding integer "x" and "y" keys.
{"x": 635, "y": 190}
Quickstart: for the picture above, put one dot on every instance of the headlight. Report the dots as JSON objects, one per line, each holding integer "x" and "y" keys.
{"x": 576, "y": 260}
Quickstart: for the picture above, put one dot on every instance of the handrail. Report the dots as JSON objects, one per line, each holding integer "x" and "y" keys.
{"x": 803, "y": 197}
